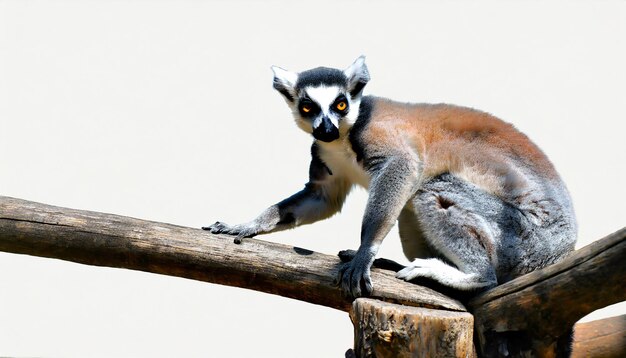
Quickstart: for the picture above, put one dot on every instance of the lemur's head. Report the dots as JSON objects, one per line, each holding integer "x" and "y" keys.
{"x": 325, "y": 101}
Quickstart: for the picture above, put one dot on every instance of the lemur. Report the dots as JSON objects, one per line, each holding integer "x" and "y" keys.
{"x": 477, "y": 203}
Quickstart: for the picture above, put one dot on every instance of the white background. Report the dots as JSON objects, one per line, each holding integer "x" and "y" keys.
{"x": 164, "y": 110}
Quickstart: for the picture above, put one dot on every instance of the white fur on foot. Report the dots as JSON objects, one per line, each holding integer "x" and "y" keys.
{"x": 438, "y": 270}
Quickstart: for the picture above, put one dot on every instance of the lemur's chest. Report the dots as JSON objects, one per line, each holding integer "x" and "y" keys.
{"x": 341, "y": 160}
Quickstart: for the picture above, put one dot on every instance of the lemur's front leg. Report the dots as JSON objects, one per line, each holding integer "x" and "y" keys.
{"x": 321, "y": 198}
{"x": 393, "y": 182}
{"x": 306, "y": 206}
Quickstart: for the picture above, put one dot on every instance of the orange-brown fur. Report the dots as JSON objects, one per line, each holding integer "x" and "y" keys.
{"x": 469, "y": 143}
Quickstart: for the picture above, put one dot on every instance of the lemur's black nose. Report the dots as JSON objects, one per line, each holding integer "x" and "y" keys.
{"x": 326, "y": 131}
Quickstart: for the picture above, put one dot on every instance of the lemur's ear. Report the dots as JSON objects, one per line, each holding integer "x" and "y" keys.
{"x": 357, "y": 75}
{"x": 284, "y": 82}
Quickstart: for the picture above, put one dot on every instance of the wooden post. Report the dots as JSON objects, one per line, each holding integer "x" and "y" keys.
{"x": 384, "y": 329}
{"x": 604, "y": 338}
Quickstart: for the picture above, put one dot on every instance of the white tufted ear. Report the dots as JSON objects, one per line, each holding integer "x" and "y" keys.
{"x": 284, "y": 82}
{"x": 357, "y": 75}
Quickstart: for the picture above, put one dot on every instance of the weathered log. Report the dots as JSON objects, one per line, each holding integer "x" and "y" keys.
{"x": 533, "y": 313}
{"x": 603, "y": 338}
{"x": 384, "y": 329}
{"x": 116, "y": 241}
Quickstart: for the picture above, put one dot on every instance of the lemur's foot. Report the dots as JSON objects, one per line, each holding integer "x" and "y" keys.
{"x": 240, "y": 231}
{"x": 446, "y": 275}
{"x": 418, "y": 268}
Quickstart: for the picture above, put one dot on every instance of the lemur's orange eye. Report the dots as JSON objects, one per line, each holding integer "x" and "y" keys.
{"x": 341, "y": 105}
{"x": 306, "y": 108}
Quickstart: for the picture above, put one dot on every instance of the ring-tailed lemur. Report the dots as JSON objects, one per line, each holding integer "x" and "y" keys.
{"x": 476, "y": 201}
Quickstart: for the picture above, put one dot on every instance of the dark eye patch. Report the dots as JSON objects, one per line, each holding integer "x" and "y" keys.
{"x": 335, "y": 106}
{"x": 306, "y": 103}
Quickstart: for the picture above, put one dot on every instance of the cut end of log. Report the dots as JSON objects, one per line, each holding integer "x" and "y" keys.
{"x": 383, "y": 329}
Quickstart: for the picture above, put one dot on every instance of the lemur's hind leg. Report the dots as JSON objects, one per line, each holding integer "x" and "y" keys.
{"x": 454, "y": 220}
{"x": 414, "y": 244}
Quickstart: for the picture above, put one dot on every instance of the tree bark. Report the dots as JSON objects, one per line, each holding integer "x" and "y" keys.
{"x": 384, "y": 329}
{"x": 535, "y": 313}
{"x": 100, "y": 239}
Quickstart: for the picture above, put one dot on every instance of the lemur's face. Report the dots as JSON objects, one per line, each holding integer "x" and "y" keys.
{"x": 322, "y": 107}
{"x": 324, "y": 101}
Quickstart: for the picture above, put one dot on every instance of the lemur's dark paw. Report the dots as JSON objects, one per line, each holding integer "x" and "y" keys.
{"x": 217, "y": 228}
{"x": 354, "y": 278}
{"x": 240, "y": 231}
{"x": 346, "y": 255}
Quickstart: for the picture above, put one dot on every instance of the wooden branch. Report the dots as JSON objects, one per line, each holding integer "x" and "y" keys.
{"x": 115, "y": 241}
{"x": 542, "y": 306}
{"x": 604, "y": 338}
